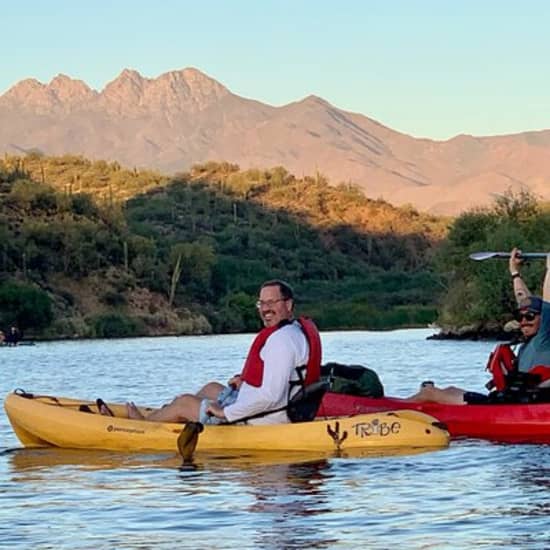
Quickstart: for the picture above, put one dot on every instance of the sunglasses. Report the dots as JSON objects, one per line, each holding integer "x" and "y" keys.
{"x": 269, "y": 303}
{"x": 526, "y": 315}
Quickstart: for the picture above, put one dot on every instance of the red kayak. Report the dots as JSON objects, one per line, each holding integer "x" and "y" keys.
{"x": 517, "y": 423}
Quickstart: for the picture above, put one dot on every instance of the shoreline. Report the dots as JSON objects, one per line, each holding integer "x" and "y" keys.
{"x": 476, "y": 334}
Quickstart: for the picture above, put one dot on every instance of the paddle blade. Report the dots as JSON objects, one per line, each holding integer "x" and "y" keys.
{"x": 188, "y": 439}
{"x": 478, "y": 256}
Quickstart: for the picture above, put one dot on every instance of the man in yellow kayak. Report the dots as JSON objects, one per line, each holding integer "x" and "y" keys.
{"x": 285, "y": 354}
{"x": 534, "y": 320}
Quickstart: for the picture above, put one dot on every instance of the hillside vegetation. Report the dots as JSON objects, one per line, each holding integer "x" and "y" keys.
{"x": 479, "y": 295}
{"x": 93, "y": 249}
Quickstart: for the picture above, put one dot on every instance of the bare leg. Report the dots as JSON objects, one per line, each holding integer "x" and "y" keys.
{"x": 183, "y": 408}
{"x": 449, "y": 396}
{"x": 210, "y": 391}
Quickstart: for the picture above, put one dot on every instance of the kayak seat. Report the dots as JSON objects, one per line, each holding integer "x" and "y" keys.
{"x": 303, "y": 406}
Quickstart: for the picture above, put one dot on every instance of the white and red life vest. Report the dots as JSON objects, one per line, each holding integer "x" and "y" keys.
{"x": 253, "y": 370}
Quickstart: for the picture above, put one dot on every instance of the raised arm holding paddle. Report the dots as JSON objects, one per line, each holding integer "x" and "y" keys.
{"x": 533, "y": 315}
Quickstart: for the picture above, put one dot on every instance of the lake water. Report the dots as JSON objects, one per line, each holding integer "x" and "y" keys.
{"x": 474, "y": 494}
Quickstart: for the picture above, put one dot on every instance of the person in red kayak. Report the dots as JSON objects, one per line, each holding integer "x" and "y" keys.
{"x": 285, "y": 354}
{"x": 534, "y": 321}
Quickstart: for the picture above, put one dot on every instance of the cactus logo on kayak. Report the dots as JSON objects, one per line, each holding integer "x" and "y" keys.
{"x": 337, "y": 436}
{"x": 375, "y": 427}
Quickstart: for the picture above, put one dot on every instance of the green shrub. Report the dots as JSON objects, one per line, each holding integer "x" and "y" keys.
{"x": 116, "y": 325}
{"x": 45, "y": 200}
{"x": 112, "y": 298}
{"x": 26, "y": 306}
{"x": 84, "y": 205}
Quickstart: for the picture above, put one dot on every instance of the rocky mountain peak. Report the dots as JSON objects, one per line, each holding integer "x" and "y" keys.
{"x": 61, "y": 93}
{"x": 188, "y": 88}
{"x": 30, "y": 95}
{"x": 70, "y": 90}
{"x": 25, "y": 91}
{"x": 183, "y": 90}
{"x": 127, "y": 88}
{"x": 315, "y": 100}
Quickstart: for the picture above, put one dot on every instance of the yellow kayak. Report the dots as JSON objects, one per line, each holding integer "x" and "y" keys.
{"x": 45, "y": 421}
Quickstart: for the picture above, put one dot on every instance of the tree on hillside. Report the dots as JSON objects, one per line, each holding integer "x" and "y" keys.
{"x": 192, "y": 265}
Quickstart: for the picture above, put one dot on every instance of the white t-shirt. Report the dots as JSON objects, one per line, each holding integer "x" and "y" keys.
{"x": 283, "y": 351}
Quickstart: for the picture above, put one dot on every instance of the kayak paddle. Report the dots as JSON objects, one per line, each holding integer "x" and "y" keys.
{"x": 478, "y": 256}
{"x": 187, "y": 441}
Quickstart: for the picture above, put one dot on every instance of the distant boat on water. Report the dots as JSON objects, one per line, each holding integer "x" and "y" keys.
{"x": 20, "y": 343}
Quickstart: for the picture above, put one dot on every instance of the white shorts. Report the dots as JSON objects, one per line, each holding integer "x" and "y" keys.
{"x": 227, "y": 396}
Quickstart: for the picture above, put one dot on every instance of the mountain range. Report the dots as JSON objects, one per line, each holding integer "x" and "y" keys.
{"x": 185, "y": 117}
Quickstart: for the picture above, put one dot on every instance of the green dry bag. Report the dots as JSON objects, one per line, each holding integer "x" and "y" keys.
{"x": 352, "y": 379}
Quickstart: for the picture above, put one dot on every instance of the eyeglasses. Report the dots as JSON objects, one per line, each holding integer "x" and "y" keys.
{"x": 527, "y": 315}
{"x": 269, "y": 303}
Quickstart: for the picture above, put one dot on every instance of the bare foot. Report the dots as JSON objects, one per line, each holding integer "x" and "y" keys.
{"x": 103, "y": 408}
{"x": 133, "y": 411}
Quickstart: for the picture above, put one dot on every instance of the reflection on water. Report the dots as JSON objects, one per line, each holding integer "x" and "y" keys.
{"x": 474, "y": 494}
{"x": 22, "y": 460}
{"x": 32, "y": 461}
{"x": 286, "y": 496}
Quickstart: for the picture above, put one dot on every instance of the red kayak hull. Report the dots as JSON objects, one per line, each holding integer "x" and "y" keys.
{"x": 517, "y": 423}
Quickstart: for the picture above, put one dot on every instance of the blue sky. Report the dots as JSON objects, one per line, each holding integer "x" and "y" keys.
{"x": 427, "y": 68}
